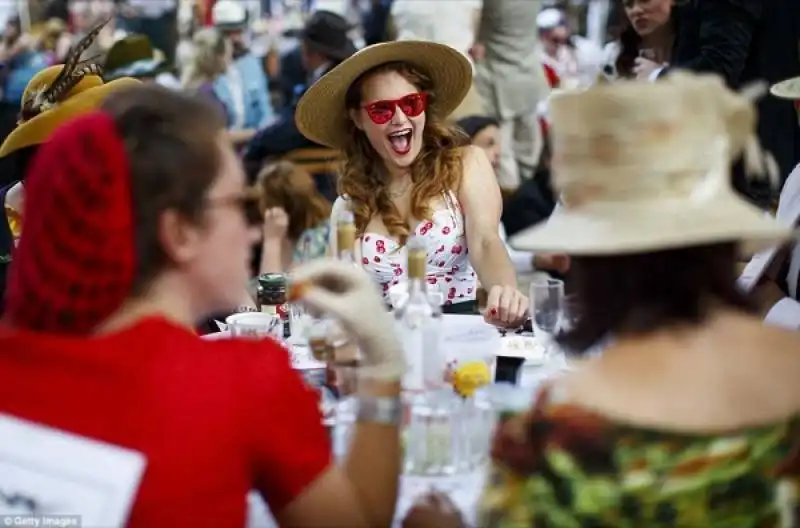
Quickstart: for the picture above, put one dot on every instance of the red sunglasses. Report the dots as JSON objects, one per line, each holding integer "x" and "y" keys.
{"x": 412, "y": 105}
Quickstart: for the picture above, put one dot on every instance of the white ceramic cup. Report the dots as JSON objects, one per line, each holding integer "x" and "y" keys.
{"x": 254, "y": 325}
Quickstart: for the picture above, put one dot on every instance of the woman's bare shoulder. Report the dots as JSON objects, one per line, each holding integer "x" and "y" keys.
{"x": 733, "y": 372}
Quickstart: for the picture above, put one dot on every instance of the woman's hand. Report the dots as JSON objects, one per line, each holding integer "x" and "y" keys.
{"x": 434, "y": 510}
{"x": 506, "y": 306}
{"x": 644, "y": 68}
{"x": 276, "y": 224}
{"x": 339, "y": 289}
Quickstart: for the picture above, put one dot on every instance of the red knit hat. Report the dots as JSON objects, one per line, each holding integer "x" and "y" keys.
{"x": 74, "y": 264}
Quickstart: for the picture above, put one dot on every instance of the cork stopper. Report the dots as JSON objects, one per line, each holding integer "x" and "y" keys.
{"x": 417, "y": 258}
{"x": 346, "y": 232}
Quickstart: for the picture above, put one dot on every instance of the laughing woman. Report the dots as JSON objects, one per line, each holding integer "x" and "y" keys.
{"x": 407, "y": 174}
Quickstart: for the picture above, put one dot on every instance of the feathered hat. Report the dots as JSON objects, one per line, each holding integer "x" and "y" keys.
{"x": 58, "y": 93}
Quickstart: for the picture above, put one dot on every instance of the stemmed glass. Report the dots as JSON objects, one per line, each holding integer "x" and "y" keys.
{"x": 547, "y": 301}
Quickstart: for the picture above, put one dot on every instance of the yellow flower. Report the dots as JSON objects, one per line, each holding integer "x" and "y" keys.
{"x": 469, "y": 377}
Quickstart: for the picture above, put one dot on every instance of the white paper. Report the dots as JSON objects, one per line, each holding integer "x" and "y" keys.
{"x": 468, "y": 338}
{"x": 65, "y": 474}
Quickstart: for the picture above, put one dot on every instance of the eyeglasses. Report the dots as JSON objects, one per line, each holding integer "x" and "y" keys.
{"x": 412, "y": 105}
{"x": 247, "y": 203}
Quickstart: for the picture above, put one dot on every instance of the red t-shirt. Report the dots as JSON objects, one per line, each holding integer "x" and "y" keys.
{"x": 214, "y": 419}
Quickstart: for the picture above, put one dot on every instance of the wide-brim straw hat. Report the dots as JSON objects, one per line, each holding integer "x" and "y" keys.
{"x": 87, "y": 95}
{"x": 788, "y": 89}
{"x": 321, "y": 115}
{"x": 646, "y": 167}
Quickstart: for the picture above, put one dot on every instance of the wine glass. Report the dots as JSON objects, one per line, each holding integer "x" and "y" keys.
{"x": 547, "y": 300}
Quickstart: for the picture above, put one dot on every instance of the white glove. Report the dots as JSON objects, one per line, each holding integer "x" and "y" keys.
{"x": 339, "y": 289}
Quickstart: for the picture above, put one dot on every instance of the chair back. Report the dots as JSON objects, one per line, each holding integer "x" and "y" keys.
{"x": 316, "y": 160}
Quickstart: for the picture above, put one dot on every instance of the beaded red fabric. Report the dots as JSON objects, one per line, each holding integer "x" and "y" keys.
{"x": 74, "y": 264}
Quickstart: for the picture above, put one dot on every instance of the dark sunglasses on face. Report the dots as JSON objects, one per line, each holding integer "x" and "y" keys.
{"x": 412, "y": 105}
{"x": 247, "y": 203}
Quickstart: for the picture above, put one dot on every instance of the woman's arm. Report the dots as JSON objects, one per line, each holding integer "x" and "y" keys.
{"x": 483, "y": 205}
{"x": 271, "y": 257}
{"x": 240, "y": 137}
{"x": 294, "y": 467}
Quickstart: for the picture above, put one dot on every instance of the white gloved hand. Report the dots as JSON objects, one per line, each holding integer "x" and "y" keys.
{"x": 343, "y": 291}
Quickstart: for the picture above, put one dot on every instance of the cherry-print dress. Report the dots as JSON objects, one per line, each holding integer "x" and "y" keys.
{"x": 448, "y": 267}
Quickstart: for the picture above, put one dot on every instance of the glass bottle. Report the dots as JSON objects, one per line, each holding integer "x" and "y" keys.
{"x": 272, "y": 297}
{"x": 419, "y": 324}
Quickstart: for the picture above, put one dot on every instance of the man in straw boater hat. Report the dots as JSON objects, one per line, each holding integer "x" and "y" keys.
{"x": 52, "y": 97}
{"x": 774, "y": 275}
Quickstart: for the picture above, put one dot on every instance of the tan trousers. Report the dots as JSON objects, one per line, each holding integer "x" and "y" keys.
{"x": 520, "y": 145}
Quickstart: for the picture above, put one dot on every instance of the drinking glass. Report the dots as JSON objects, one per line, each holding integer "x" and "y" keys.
{"x": 546, "y": 298}
{"x": 570, "y": 313}
{"x": 431, "y": 438}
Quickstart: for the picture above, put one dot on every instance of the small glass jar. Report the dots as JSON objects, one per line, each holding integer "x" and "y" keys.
{"x": 272, "y": 291}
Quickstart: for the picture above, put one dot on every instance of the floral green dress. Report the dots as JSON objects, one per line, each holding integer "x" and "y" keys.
{"x": 562, "y": 466}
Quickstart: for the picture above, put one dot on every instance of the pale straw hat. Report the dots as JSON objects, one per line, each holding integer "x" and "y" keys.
{"x": 321, "y": 115}
{"x": 644, "y": 167}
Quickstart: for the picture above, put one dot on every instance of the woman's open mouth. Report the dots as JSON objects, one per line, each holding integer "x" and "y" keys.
{"x": 401, "y": 141}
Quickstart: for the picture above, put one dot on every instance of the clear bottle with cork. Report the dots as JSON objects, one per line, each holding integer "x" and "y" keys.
{"x": 346, "y": 237}
{"x": 345, "y": 349}
{"x": 418, "y": 320}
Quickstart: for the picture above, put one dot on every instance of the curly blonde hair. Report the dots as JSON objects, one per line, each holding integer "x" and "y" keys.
{"x": 435, "y": 172}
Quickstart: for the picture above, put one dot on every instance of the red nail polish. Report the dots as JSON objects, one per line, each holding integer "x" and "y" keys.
{"x": 493, "y": 311}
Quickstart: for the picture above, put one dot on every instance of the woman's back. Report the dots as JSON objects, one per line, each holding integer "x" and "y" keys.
{"x": 213, "y": 419}
{"x": 694, "y": 428}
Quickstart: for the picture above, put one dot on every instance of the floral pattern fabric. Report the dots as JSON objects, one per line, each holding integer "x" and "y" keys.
{"x": 563, "y": 466}
{"x": 448, "y": 267}
{"x": 312, "y": 243}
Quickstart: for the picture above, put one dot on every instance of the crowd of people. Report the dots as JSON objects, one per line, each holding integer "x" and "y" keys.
{"x": 154, "y": 165}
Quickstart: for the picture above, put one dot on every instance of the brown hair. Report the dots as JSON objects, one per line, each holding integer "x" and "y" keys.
{"x": 436, "y": 170}
{"x": 171, "y": 142}
{"x": 646, "y": 292}
{"x": 283, "y": 184}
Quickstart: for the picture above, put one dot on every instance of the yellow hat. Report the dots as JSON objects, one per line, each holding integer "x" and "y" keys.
{"x": 58, "y": 93}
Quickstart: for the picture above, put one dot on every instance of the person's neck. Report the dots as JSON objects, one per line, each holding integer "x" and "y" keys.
{"x": 399, "y": 180}
{"x": 166, "y": 297}
{"x": 660, "y": 41}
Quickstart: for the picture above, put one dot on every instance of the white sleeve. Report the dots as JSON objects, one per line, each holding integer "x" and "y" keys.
{"x": 785, "y": 314}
